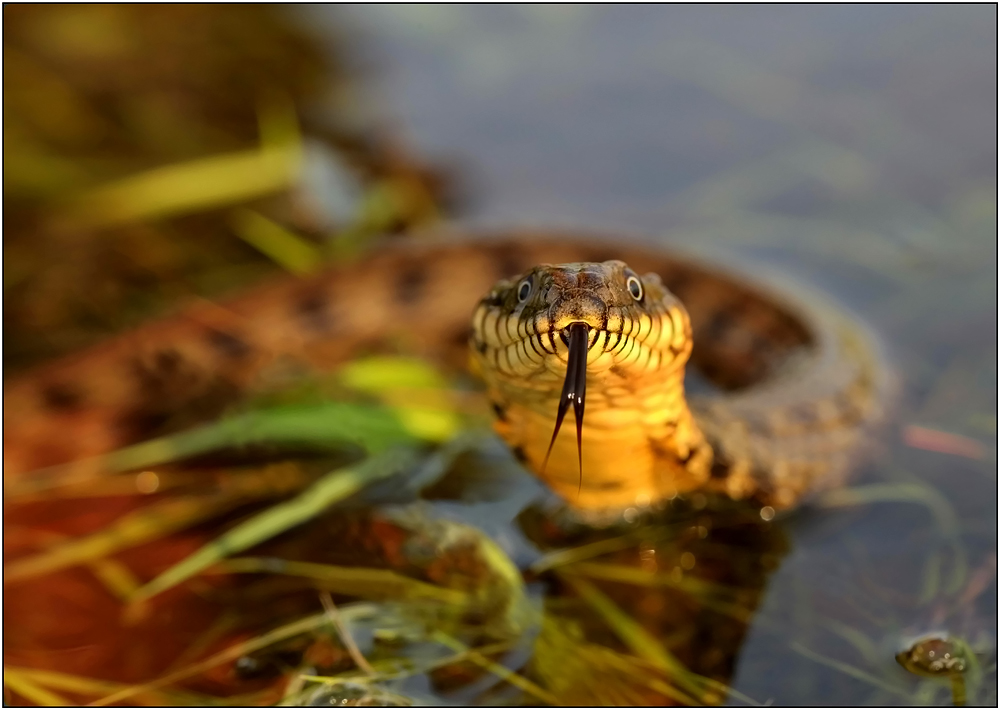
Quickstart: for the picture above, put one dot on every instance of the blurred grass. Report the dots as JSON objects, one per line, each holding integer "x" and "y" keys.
{"x": 150, "y": 523}
{"x": 376, "y": 584}
{"x": 189, "y": 187}
{"x": 290, "y": 630}
{"x": 418, "y": 407}
{"x": 378, "y": 430}
{"x": 42, "y": 683}
{"x": 496, "y": 669}
{"x": 416, "y": 412}
{"x": 280, "y": 517}
{"x": 849, "y": 670}
{"x": 132, "y": 133}
{"x": 284, "y": 247}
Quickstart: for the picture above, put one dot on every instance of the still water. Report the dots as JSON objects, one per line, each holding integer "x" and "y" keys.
{"x": 852, "y": 148}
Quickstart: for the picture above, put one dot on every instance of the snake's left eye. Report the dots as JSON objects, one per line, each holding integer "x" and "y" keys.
{"x": 634, "y": 286}
{"x": 524, "y": 290}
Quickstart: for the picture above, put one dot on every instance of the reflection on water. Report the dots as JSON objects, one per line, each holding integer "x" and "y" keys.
{"x": 850, "y": 148}
{"x": 654, "y": 614}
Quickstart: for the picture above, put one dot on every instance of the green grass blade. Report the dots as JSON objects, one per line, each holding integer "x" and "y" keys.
{"x": 325, "y": 425}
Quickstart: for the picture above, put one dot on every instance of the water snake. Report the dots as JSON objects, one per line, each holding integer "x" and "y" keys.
{"x": 793, "y": 383}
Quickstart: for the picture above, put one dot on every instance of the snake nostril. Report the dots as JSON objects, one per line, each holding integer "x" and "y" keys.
{"x": 576, "y": 307}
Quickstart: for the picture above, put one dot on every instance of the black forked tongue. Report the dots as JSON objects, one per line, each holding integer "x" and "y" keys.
{"x": 574, "y": 389}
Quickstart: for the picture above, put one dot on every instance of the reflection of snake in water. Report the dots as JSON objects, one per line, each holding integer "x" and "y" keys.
{"x": 794, "y": 384}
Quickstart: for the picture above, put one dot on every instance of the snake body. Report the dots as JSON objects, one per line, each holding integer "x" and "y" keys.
{"x": 795, "y": 382}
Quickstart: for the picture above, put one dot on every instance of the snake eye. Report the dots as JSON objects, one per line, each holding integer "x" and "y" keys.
{"x": 524, "y": 290}
{"x": 634, "y": 286}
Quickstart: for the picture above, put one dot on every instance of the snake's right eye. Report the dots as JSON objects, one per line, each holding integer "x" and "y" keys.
{"x": 524, "y": 290}
{"x": 634, "y": 285}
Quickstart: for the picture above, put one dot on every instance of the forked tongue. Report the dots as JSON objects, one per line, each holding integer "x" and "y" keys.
{"x": 574, "y": 390}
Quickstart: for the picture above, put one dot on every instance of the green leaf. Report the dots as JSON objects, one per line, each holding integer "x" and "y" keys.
{"x": 330, "y": 424}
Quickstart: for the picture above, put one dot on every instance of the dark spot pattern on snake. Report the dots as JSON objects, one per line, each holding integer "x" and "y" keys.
{"x": 62, "y": 397}
{"x": 230, "y": 346}
{"x": 410, "y": 284}
{"x": 313, "y": 309}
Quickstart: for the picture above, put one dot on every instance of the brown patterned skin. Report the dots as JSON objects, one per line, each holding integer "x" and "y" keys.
{"x": 797, "y": 383}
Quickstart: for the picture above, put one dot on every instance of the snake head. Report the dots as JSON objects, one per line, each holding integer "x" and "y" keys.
{"x": 567, "y": 323}
{"x": 634, "y": 324}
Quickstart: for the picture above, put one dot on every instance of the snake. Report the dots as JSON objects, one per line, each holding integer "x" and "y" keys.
{"x": 782, "y": 389}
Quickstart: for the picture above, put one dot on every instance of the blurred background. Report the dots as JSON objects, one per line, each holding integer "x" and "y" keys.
{"x": 158, "y": 153}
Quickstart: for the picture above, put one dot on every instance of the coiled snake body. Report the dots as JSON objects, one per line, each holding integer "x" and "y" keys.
{"x": 795, "y": 383}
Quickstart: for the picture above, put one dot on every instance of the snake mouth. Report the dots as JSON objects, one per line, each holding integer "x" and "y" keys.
{"x": 574, "y": 390}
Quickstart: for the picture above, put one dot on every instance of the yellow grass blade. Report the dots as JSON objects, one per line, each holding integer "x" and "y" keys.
{"x": 149, "y": 523}
{"x": 329, "y": 489}
{"x": 295, "y": 628}
{"x": 495, "y": 668}
{"x": 94, "y": 687}
{"x": 189, "y": 187}
{"x": 366, "y": 582}
{"x": 283, "y": 246}
{"x": 20, "y": 684}
{"x": 644, "y": 644}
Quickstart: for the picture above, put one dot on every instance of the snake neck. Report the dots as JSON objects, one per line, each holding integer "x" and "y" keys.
{"x": 640, "y": 443}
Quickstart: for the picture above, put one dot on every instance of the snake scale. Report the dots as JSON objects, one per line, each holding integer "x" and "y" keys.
{"x": 793, "y": 383}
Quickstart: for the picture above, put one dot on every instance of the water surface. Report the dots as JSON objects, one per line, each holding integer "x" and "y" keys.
{"x": 851, "y": 148}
